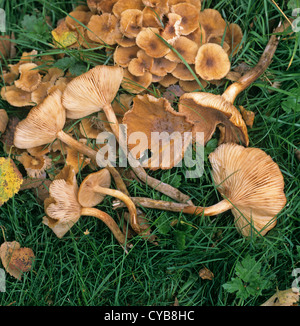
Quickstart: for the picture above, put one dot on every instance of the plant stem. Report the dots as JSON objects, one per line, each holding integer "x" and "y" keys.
{"x": 109, "y": 221}
{"x": 218, "y": 208}
{"x": 126, "y": 200}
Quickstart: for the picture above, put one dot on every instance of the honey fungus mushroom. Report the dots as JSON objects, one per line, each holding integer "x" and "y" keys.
{"x": 96, "y": 186}
{"x": 131, "y": 22}
{"x": 148, "y": 115}
{"x": 63, "y": 209}
{"x": 30, "y": 78}
{"x": 250, "y": 183}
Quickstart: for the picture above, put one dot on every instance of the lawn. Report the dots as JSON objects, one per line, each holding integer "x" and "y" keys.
{"x": 90, "y": 268}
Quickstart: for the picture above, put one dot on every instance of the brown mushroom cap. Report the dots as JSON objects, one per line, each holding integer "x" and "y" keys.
{"x": 252, "y": 182}
{"x": 148, "y": 40}
{"x": 182, "y": 72}
{"x": 162, "y": 66}
{"x": 149, "y": 114}
{"x": 142, "y": 63}
{"x": 131, "y": 22}
{"x": 35, "y": 166}
{"x": 91, "y": 91}
{"x": 5, "y": 46}
{"x": 87, "y": 197}
{"x": 124, "y": 55}
{"x": 207, "y": 111}
{"x": 77, "y": 18}
{"x": 190, "y": 17}
{"x": 212, "y": 62}
{"x": 3, "y": 120}
{"x": 42, "y": 123}
{"x": 103, "y": 29}
{"x": 233, "y": 38}
{"x": 16, "y": 96}
{"x": 122, "y": 5}
{"x": 29, "y": 77}
{"x": 136, "y": 84}
{"x": 186, "y": 48}
{"x": 212, "y": 22}
{"x": 172, "y": 29}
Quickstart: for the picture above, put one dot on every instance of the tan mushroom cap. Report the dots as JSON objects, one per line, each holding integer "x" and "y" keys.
{"x": 30, "y": 77}
{"x": 38, "y": 95}
{"x": 75, "y": 159}
{"x": 35, "y": 166}
{"x": 192, "y": 85}
{"x": 152, "y": 17}
{"x": 91, "y": 91}
{"x": 149, "y": 114}
{"x": 252, "y": 182}
{"x": 171, "y": 31}
{"x": 182, "y": 72}
{"x": 124, "y": 55}
{"x": 3, "y": 120}
{"x": 208, "y": 111}
{"x": 148, "y": 40}
{"x": 131, "y": 22}
{"x": 122, "y": 5}
{"x": 168, "y": 80}
{"x": 124, "y": 41}
{"x": 136, "y": 84}
{"x": 142, "y": 63}
{"x": 87, "y": 197}
{"x": 103, "y": 29}
{"x": 212, "y": 22}
{"x": 233, "y": 38}
{"x": 196, "y": 3}
{"x": 212, "y": 62}
{"x": 42, "y": 123}
{"x": 198, "y": 36}
{"x": 162, "y": 66}
{"x": 186, "y": 48}
{"x": 190, "y": 17}
{"x": 16, "y": 97}
{"x": 77, "y": 18}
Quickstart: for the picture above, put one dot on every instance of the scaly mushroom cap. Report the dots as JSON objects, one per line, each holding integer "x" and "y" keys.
{"x": 29, "y": 77}
{"x": 212, "y": 62}
{"x": 131, "y": 22}
{"x": 190, "y": 17}
{"x": 208, "y": 111}
{"x": 252, "y": 182}
{"x": 91, "y": 91}
{"x": 42, "y": 123}
{"x": 62, "y": 207}
{"x": 149, "y": 114}
{"x": 103, "y": 29}
{"x": 87, "y": 197}
{"x": 148, "y": 40}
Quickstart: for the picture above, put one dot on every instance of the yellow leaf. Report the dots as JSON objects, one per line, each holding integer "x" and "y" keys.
{"x": 63, "y": 36}
{"x": 10, "y": 179}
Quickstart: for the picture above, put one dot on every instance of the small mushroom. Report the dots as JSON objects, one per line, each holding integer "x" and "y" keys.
{"x": 77, "y": 18}
{"x": 190, "y": 17}
{"x": 29, "y": 77}
{"x": 212, "y": 22}
{"x": 124, "y": 55}
{"x": 162, "y": 66}
{"x": 131, "y": 22}
{"x": 186, "y": 48}
{"x": 172, "y": 29}
{"x": 35, "y": 166}
{"x": 251, "y": 184}
{"x": 16, "y": 96}
{"x": 141, "y": 64}
{"x": 122, "y": 5}
{"x": 3, "y": 120}
{"x": 212, "y": 62}
{"x": 63, "y": 209}
{"x": 233, "y": 38}
{"x": 136, "y": 84}
{"x": 96, "y": 186}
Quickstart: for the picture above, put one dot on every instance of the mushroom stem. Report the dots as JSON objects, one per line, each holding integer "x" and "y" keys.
{"x": 245, "y": 81}
{"x": 91, "y": 153}
{"x": 223, "y": 206}
{"x": 109, "y": 221}
{"x": 136, "y": 166}
{"x": 126, "y": 200}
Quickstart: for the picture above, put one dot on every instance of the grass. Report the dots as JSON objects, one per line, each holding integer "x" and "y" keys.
{"x": 92, "y": 270}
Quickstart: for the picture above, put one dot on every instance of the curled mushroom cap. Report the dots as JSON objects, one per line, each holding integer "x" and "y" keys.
{"x": 29, "y": 77}
{"x": 208, "y": 111}
{"x": 92, "y": 91}
{"x": 124, "y": 55}
{"x": 103, "y": 29}
{"x": 186, "y": 48}
{"x": 131, "y": 22}
{"x": 233, "y": 37}
{"x": 122, "y": 5}
{"x": 149, "y": 41}
{"x": 212, "y": 62}
{"x": 136, "y": 84}
{"x": 172, "y": 29}
{"x": 77, "y": 18}
{"x": 253, "y": 183}
{"x": 148, "y": 115}
{"x": 142, "y": 63}
{"x": 190, "y": 17}
{"x": 16, "y": 96}
{"x": 212, "y": 22}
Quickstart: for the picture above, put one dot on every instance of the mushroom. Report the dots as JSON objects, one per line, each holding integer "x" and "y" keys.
{"x": 186, "y": 48}
{"x": 172, "y": 29}
{"x": 122, "y": 5}
{"x": 131, "y": 22}
{"x": 148, "y": 115}
{"x": 212, "y": 22}
{"x": 136, "y": 84}
{"x": 233, "y": 38}
{"x": 16, "y": 96}
{"x": 77, "y": 18}
{"x": 162, "y": 66}
{"x": 212, "y": 62}
{"x": 3, "y": 120}
{"x": 96, "y": 186}
{"x": 251, "y": 184}
{"x": 94, "y": 91}
{"x": 124, "y": 55}
{"x": 29, "y": 77}
{"x": 63, "y": 209}
{"x": 35, "y": 166}
{"x": 190, "y": 17}
{"x": 141, "y": 64}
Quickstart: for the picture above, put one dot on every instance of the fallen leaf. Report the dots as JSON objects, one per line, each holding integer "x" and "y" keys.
{"x": 248, "y": 116}
{"x": 206, "y": 274}
{"x": 63, "y": 36}
{"x": 16, "y": 260}
{"x": 10, "y": 179}
{"x": 287, "y": 297}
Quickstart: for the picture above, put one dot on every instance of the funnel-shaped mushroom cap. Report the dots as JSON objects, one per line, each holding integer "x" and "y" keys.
{"x": 253, "y": 184}
{"x": 42, "y": 123}
{"x": 208, "y": 111}
{"x": 212, "y": 22}
{"x": 29, "y": 77}
{"x": 190, "y": 17}
{"x": 91, "y": 91}
{"x": 212, "y": 62}
{"x": 87, "y": 196}
{"x": 151, "y": 115}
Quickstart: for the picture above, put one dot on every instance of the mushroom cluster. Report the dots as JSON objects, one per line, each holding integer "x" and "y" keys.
{"x": 154, "y": 41}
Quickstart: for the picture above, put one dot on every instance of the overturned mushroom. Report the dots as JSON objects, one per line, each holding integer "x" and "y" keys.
{"x": 63, "y": 209}
{"x": 96, "y": 186}
{"x": 251, "y": 184}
